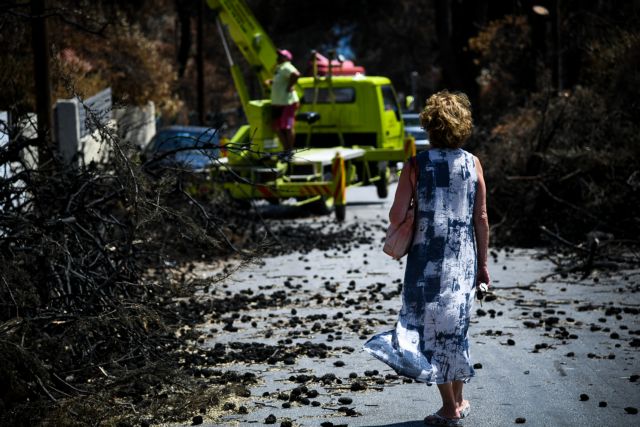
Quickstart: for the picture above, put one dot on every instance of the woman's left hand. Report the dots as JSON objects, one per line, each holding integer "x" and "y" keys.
{"x": 483, "y": 275}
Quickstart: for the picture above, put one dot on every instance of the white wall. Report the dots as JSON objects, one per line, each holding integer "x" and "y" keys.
{"x": 79, "y": 138}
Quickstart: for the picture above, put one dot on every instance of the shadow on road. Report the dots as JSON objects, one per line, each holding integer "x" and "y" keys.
{"x": 367, "y": 203}
{"x": 287, "y": 211}
{"x": 283, "y": 211}
{"x": 403, "y": 424}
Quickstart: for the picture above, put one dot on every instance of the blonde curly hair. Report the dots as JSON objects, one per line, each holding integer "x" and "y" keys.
{"x": 447, "y": 119}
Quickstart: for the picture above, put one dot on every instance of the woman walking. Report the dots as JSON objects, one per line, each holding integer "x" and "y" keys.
{"x": 447, "y": 259}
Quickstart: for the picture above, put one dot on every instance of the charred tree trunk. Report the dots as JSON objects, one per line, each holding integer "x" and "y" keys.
{"x": 42, "y": 81}
{"x": 184, "y": 48}
{"x": 200, "y": 63}
{"x": 539, "y": 31}
{"x": 444, "y": 31}
{"x": 558, "y": 63}
{"x": 456, "y": 22}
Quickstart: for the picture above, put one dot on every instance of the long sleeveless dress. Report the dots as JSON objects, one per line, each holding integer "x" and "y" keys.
{"x": 430, "y": 341}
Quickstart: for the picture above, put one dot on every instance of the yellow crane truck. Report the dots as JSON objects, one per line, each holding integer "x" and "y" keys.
{"x": 348, "y": 128}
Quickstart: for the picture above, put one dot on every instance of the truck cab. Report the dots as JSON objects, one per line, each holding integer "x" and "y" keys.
{"x": 353, "y": 111}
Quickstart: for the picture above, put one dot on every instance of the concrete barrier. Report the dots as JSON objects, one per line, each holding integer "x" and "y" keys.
{"x": 77, "y": 127}
{"x": 136, "y": 124}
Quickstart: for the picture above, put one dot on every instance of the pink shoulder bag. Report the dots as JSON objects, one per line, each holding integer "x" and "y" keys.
{"x": 400, "y": 236}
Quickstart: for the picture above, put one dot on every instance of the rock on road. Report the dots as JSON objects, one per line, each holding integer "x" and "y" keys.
{"x": 555, "y": 353}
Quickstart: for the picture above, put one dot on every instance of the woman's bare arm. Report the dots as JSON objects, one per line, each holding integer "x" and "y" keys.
{"x": 404, "y": 193}
{"x": 481, "y": 226}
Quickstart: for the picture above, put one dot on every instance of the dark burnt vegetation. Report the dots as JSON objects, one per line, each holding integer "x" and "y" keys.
{"x": 80, "y": 313}
{"x": 94, "y": 265}
{"x": 558, "y": 142}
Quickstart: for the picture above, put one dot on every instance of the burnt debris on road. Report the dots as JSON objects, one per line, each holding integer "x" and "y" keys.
{"x": 297, "y": 322}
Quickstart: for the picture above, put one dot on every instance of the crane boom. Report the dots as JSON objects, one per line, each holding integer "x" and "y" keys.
{"x": 247, "y": 33}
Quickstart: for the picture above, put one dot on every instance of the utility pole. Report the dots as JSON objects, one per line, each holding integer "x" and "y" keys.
{"x": 41, "y": 74}
{"x": 200, "y": 63}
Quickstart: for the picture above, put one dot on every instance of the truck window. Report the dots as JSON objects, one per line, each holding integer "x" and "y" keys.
{"x": 390, "y": 101}
{"x": 343, "y": 95}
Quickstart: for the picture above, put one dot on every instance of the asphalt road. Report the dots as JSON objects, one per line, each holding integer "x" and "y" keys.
{"x": 541, "y": 344}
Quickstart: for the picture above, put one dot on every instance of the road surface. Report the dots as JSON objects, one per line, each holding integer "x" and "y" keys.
{"x": 541, "y": 345}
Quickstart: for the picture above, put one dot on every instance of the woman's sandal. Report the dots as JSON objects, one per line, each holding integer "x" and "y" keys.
{"x": 436, "y": 419}
{"x": 464, "y": 412}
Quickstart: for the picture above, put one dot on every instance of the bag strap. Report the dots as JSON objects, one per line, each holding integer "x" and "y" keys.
{"x": 413, "y": 163}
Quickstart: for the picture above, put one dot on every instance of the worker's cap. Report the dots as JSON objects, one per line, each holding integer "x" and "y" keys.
{"x": 285, "y": 54}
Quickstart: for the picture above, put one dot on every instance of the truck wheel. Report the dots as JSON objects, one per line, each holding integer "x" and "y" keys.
{"x": 382, "y": 185}
{"x": 319, "y": 207}
{"x": 341, "y": 211}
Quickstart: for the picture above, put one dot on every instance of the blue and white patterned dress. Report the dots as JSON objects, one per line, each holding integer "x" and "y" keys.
{"x": 430, "y": 342}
